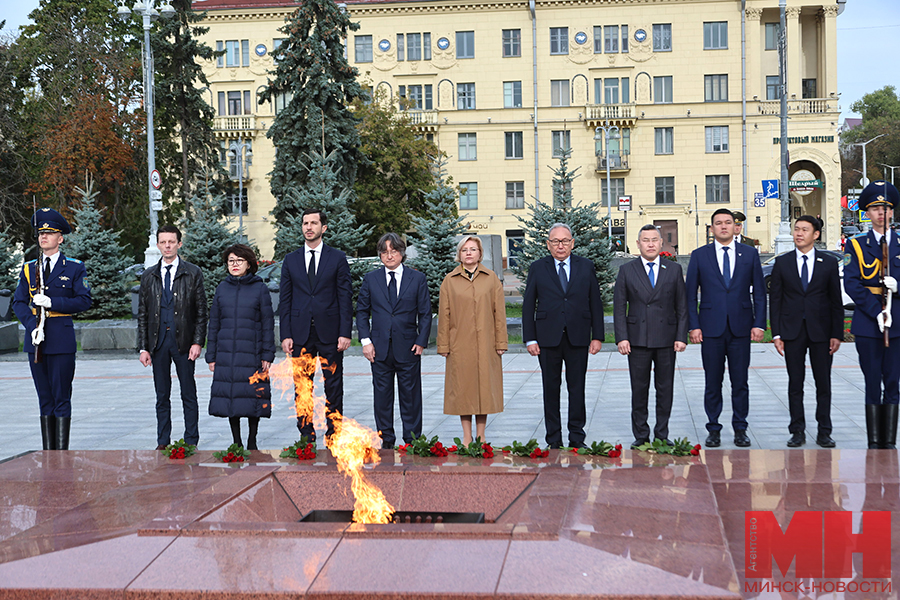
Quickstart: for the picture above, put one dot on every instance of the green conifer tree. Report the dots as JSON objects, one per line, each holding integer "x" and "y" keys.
{"x": 589, "y": 229}
{"x": 105, "y": 259}
{"x": 437, "y": 232}
{"x": 185, "y": 141}
{"x": 318, "y": 84}
{"x": 206, "y": 238}
{"x": 10, "y": 261}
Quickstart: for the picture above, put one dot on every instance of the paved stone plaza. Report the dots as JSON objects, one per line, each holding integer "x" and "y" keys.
{"x": 113, "y": 403}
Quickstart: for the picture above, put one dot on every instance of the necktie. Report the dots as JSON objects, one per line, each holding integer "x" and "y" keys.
{"x": 650, "y": 265}
{"x": 168, "y": 281}
{"x": 726, "y": 267}
{"x": 392, "y": 289}
{"x": 804, "y": 274}
{"x": 311, "y": 271}
{"x": 563, "y": 280}
{"x": 46, "y": 270}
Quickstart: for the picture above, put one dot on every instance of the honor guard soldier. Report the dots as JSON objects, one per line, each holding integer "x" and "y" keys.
{"x": 870, "y": 262}
{"x": 52, "y": 288}
{"x": 739, "y": 219}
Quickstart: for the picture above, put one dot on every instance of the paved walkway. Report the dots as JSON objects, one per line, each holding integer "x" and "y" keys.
{"x": 113, "y": 403}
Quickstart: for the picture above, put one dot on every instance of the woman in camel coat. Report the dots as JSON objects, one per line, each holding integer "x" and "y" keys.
{"x": 472, "y": 337}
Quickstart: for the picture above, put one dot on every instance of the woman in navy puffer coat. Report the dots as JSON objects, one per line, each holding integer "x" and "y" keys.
{"x": 241, "y": 343}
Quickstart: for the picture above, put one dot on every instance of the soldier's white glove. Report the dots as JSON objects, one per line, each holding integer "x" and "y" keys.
{"x": 884, "y": 320}
{"x": 37, "y": 336}
{"x": 890, "y": 283}
{"x": 44, "y": 301}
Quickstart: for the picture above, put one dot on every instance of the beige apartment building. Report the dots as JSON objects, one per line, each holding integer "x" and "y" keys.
{"x": 687, "y": 90}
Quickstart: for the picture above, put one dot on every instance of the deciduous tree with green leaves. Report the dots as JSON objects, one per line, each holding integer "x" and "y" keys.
{"x": 437, "y": 231}
{"x": 590, "y": 230}
{"x": 880, "y": 112}
{"x": 390, "y": 188}
{"x": 317, "y": 85}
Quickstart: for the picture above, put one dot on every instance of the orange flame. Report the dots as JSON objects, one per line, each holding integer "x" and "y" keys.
{"x": 352, "y": 443}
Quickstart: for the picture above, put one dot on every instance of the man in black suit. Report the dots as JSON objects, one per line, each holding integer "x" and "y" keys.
{"x": 650, "y": 311}
{"x": 316, "y": 311}
{"x": 562, "y": 320}
{"x": 807, "y": 313}
{"x": 397, "y": 299}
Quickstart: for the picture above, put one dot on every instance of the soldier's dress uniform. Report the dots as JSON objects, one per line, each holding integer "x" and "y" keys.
{"x": 68, "y": 290}
{"x": 864, "y": 284}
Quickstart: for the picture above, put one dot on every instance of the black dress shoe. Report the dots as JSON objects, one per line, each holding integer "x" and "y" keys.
{"x": 741, "y": 439}
{"x": 797, "y": 440}
{"x": 667, "y": 441}
{"x": 824, "y": 440}
{"x": 640, "y": 442}
{"x": 713, "y": 440}
{"x": 161, "y": 447}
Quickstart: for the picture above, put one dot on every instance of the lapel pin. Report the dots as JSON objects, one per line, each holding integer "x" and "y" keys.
{"x": 63, "y": 278}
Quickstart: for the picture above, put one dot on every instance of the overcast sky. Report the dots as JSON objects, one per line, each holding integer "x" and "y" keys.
{"x": 868, "y": 31}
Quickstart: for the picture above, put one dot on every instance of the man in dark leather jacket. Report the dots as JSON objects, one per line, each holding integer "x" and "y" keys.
{"x": 172, "y": 316}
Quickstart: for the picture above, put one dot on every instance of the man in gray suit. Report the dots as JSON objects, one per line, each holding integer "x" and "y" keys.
{"x": 650, "y": 311}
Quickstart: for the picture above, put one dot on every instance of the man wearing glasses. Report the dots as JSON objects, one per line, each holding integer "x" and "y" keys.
{"x": 172, "y": 316}
{"x": 562, "y": 321}
{"x": 397, "y": 299}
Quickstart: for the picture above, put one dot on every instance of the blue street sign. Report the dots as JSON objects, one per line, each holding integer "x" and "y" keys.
{"x": 770, "y": 188}
{"x": 853, "y": 203}
{"x": 759, "y": 200}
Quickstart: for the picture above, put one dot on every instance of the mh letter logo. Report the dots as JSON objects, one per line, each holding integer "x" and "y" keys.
{"x": 821, "y": 542}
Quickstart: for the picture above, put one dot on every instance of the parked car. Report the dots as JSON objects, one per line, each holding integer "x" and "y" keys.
{"x": 768, "y": 265}
{"x": 850, "y": 230}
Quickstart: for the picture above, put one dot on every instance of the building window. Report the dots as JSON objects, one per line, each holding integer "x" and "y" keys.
{"x": 418, "y": 97}
{"x": 276, "y": 49}
{"x": 282, "y": 101}
{"x": 611, "y": 90}
{"x": 512, "y": 43}
{"x": 715, "y": 88}
{"x": 559, "y": 40}
{"x": 611, "y": 39}
{"x": 715, "y": 35}
{"x": 809, "y": 88}
{"x": 717, "y": 189}
{"x": 664, "y": 140}
{"x": 598, "y": 39}
{"x": 513, "y": 145}
{"x": 561, "y": 142}
{"x": 465, "y": 44}
{"x": 362, "y": 48}
{"x": 468, "y": 147}
{"x": 512, "y": 94}
{"x": 618, "y": 147}
{"x": 413, "y": 46}
{"x": 773, "y": 32}
{"x": 665, "y": 190}
{"x": 662, "y": 37}
{"x": 237, "y": 204}
{"x": 465, "y": 96}
{"x": 401, "y": 46}
{"x": 559, "y": 92}
{"x": 237, "y": 53}
{"x": 624, "y": 39}
{"x": 662, "y": 90}
{"x": 426, "y": 46}
{"x": 616, "y": 188}
{"x": 717, "y": 139}
{"x": 235, "y": 103}
{"x": 773, "y": 87}
{"x": 515, "y": 194}
{"x": 468, "y": 196}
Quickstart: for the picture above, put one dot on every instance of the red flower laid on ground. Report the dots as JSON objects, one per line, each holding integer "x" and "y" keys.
{"x": 306, "y": 453}
{"x": 179, "y": 450}
{"x": 234, "y": 453}
{"x": 695, "y": 451}
{"x": 452, "y": 448}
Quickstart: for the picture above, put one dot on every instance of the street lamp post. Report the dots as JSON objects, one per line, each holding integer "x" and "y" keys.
{"x": 609, "y": 132}
{"x": 239, "y": 151}
{"x": 146, "y": 9}
{"x": 865, "y": 177}
{"x": 892, "y": 171}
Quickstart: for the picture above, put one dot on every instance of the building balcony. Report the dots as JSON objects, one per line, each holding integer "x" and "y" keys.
{"x": 426, "y": 120}
{"x": 617, "y": 163}
{"x": 623, "y": 115}
{"x": 807, "y": 106}
{"x": 233, "y": 126}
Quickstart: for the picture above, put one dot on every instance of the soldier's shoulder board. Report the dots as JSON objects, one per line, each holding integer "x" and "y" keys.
{"x": 74, "y": 260}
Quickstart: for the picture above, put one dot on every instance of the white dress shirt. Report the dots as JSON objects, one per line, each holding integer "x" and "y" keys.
{"x": 173, "y": 270}
{"x": 810, "y": 263}
{"x": 307, "y": 255}
{"x": 720, "y": 256}
{"x": 568, "y": 263}
{"x": 398, "y": 275}
{"x": 655, "y": 262}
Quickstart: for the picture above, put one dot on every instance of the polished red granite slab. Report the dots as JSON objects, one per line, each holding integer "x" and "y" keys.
{"x": 107, "y": 524}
